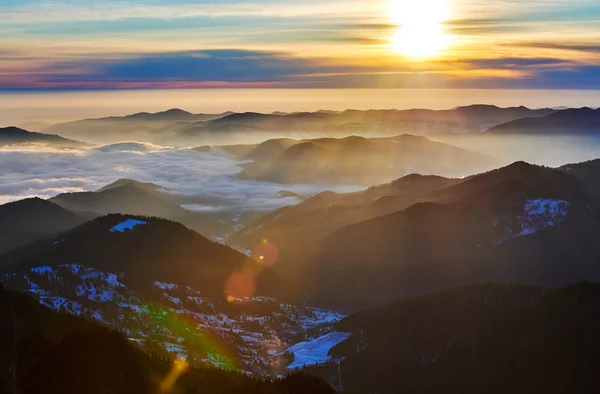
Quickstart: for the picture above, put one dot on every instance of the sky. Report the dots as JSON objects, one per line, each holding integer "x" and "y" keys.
{"x": 178, "y": 44}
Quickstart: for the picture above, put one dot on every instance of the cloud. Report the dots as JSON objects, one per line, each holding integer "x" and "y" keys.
{"x": 239, "y": 68}
{"x": 579, "y": 47}
{"x": 205, "y": 181}
{"x": 482, "y": 26}
{"x": 515, "y": 63}
{"x": 246, "y": 68}
{"x": 210, "y": 68}
{"x": 114, "y": 10}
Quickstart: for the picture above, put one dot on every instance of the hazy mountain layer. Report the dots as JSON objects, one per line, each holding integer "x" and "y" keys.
{"x": 181, "y": 127}
{"x": 15, "y": 135}
{"x": 357, "y": 160}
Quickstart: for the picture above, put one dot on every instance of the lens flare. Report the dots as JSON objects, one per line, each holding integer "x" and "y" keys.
{"x": 206, "y": 345}
{"x": 266, "y": 253}
{"x": 180, "y": 365}
{"x": 241, "y": 285}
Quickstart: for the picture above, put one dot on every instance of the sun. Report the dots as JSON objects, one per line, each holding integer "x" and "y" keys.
{"x": 420, "y": 32}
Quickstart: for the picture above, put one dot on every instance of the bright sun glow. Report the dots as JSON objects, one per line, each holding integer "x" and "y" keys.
{"x": 420, "y": 32}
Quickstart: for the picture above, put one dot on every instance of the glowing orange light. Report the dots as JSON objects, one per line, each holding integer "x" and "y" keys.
{"x": 266, "y": 253}
{"x": 230, "y": 299}
{"x": 241, "y": 284}
{"x": 180, "y": 365}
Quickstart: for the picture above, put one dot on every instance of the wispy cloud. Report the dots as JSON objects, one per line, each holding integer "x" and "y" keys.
{"x": 574, "y": 46}
{"x": 235, "y": 68}
{"x": 111, "y": 10}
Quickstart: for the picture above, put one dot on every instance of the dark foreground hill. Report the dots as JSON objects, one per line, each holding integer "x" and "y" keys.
{"x": 42, "y": 351}
{"x": 588, "y": 172}
{"x": 478, "y": 339}
{"x": 148, "y": 250}
{"x": 29, "y": 220}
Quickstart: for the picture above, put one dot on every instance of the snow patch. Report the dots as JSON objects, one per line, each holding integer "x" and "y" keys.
{"x": 315, "y": 351}
{"x": 175, "y": 348}
{"x": 165, "y": 286}
{"x": 538, "y": 214}
{"x": 128, "y": 224}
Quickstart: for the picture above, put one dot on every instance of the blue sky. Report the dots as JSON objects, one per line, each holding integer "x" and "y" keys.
{"x": 118, "y": 44}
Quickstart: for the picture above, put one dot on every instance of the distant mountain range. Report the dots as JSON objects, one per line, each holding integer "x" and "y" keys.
{"x": 176, "y": 126}
{"x": 143, "y": 127}
{"x": 355, "y": 160}
{"x": 180, "y": 127}
{"x": 15, "y": 135}
{"x": 568, "y": 122}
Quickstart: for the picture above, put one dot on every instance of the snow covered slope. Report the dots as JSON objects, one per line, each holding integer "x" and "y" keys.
{"x": 249, "y": 335}
{"x": 537, "y": 215}
{"x": 128, "y": 224}
{"x": 315, "y": 351}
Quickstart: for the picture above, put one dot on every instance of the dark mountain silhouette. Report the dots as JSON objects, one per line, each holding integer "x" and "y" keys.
{"x": 148, "y": 186}
{"x": 588, "y": 172}
{"x": 42, "y": 351}
{"x": 126, "y": 196}
{"x": 29, "y": 220}
{"x": 326, "y": 212}
{"x": 144, "y": 126}
{"x": 568, "y": 122}
{"x": 520, "y": 224}
{"x": 321, "y": 215}
{"x": 15, "y": 135}
{"x": 357, "y": 160}
{"x": 154, "y": 250}
{"x": 477, "y": 339}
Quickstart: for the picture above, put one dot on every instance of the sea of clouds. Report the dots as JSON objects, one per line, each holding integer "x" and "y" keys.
{"x": 202, "y": 181}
